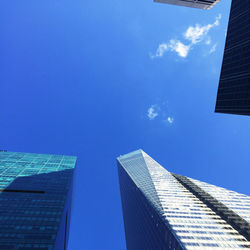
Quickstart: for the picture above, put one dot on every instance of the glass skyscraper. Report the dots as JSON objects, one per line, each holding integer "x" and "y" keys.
{"x": 35, "y": 201}
{"x": 201, "y": 4}
{"x": 163, "y": 210}
{"x": 234, "y": 86}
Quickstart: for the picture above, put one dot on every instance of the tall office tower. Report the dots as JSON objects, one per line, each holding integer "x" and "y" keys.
{"x": 35, "y": 201}
{"x": 163, "y": 211}
{"x": 234, "y": 87}
{"x": 200, "y": 4}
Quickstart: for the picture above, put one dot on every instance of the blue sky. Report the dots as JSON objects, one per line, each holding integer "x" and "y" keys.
{"x": 98, "y": 79}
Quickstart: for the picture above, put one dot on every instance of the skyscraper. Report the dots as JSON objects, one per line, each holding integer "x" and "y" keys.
{"x": 162, "y": 210}
{"x": 234, "y": 86}
{"x": 201, "y": 4}
{"x": 35, "y": 201}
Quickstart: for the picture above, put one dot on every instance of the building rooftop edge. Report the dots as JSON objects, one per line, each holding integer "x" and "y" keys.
{"x": 124, "y": 156}
{"x": 4, "y": 152}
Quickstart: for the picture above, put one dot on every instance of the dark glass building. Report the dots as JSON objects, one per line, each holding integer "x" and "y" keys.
{"x": 162, "y": 210}
{"x": 200, "y": 4}
{"x": 35, "y": 201}
{"x": 234, "y": 87}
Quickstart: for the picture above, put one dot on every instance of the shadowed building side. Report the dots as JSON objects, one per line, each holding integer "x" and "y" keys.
{"x": 233, "y": 95}
{"x": 35, "y": 201}
{"x": 144, "y": 227}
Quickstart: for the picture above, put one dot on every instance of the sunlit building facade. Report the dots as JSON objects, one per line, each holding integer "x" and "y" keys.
{"x": 35, "y": 200}
{"x": 200, "y": 4}
{"x": 162, "y": 210}
{"x": 233, "y": 95}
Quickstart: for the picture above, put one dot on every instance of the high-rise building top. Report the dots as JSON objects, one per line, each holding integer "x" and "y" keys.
{"x": 35, "y": 200}
{"x": 200, "y": 4}
{"x": 234, "y": 86}
{"x": 162, "y": 210}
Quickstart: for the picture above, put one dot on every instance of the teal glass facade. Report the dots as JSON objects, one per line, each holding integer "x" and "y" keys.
{"x": 35, "y": 200}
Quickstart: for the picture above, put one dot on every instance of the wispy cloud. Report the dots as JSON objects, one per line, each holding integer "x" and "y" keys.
{"x": 213, "y": 48}
{"x": 161, "y": 111}
{"x": 152, "y": 112}
{"x": 161, "y": 49}
{"x": 193, "y": 35}
{"x": 208, "y": 40}
{"x": 173, "y": 45}
{"x": 180, "y": 48}
{"x": 196, "y": 33}
{"x": 170, "y": 120}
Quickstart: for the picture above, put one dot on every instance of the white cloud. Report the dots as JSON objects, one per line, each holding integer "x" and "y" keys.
{"x": 213, "y": 48}
{"x": 180, "y": 48}
{"x": 217, "y": 20}
{"x": 161, "y": 112}
{"x": 208, "y": 41}
{"x": 162, "y": 48}
{"x": 194, "y": 35}
{"x": 152, "y": 112}
{"x": 174, "y": 45}
{"x": 170, "y": 120}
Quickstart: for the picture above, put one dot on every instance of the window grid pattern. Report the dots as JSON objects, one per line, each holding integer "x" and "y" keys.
{"x": 239, "y": 203}
{"x": 30, "y": 220}
{"x": 193, "y": 223}
{"x": 145, "y": 227}
{"x": 196, "y": 225}
{"x": 136, "y": 168}
{"x": 234, "y": 86}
